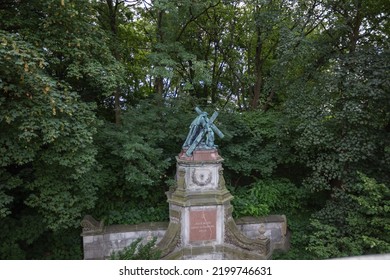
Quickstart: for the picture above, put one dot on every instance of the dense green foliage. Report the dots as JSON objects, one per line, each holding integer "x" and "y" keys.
{"x": 96, "y": 98}
{"x": 138, "y": 251}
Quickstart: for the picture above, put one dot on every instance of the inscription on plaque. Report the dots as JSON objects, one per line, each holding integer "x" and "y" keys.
{"x": 203, "y": 225}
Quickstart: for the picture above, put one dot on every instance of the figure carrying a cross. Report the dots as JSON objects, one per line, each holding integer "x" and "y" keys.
{"x": 201, "y": 134}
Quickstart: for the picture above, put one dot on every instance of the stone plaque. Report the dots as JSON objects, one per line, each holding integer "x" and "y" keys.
{"x": 203, "y": 225}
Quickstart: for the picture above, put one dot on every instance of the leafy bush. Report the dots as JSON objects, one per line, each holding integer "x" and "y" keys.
{"x": 267, "y": 196}
{"x": 138, "y": 251}
{"x": 353, "y": 223}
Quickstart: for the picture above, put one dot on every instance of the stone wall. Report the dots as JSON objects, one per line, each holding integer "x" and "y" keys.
{"x": 274, "y": 227}
{"x": 101, "y": 241}
{"x": 101, "y": 244}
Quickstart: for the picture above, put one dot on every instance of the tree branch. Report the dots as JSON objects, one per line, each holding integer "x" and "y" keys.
{"x": 193, "y": 18}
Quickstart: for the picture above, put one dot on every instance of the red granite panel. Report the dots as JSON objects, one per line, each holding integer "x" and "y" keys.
{"x": 203, "y": 225}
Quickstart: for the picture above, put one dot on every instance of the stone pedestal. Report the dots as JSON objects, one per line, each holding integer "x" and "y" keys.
{"x": 201, "y": 224}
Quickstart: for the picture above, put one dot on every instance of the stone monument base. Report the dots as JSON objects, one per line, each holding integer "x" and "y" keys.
{"x": 201, "y": 225}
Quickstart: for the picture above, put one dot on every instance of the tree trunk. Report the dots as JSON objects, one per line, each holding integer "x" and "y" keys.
{"x": 158, "y": 81}
{"x": 112, "y": 13}
{"x": 117, "y": 107}
{"x": 159, "y": 86}
{"x": 355, "y": 26}
{"x": 258, "y": 71}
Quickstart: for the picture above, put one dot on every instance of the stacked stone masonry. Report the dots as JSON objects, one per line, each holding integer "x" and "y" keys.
{"x": 102, "y": 243}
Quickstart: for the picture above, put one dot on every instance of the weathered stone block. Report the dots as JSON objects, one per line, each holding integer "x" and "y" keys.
{"x": 131, "y": 235}
{"x": 98, "y": 238}
{"x": 88, "y": 239}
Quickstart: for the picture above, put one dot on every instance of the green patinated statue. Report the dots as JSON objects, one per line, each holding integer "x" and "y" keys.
{"x": 201, "y": 134}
